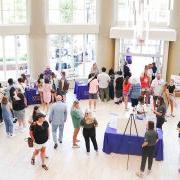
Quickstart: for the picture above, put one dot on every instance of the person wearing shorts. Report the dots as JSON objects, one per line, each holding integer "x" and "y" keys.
{"x": 19, "y": 106}
{"x": 39, "y": 132}
{"x": 126, "y": 86}
{"x": 93, "y": 90}
{"x": 157, "y": 88}
{"x": 135, "y": 92}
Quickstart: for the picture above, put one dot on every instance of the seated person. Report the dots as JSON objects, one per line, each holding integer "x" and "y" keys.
{"x": 140, "y": 109}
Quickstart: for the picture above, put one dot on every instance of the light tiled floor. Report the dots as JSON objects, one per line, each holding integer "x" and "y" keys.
{"x": 66, "y": 163}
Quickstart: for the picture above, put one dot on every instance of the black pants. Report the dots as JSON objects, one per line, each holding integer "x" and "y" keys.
{"x": 1, "y": 119}
{"x": 90, "y": 134}
{"x": 147, "y": 152}
{"x": 111, "y": 91}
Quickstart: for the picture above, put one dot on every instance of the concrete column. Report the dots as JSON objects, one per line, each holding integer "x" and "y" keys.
{"x": 174, "y": 47}
{"x": 37, "y": 38}
{"x": 105, "y": 45}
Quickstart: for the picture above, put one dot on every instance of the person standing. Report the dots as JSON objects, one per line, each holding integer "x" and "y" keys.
{"x": 18, "y": 104}
{"x": 94, "y": 69}
{"x": 63, "y": 86}
{"x": 178, "y": 128}
{"x": 40, "y": 82}
{"x": 111, "y": 83}
{"x": 148, "y": 148}
{"x": 160, "y": 112}
{"x": 126, "y": 87}
{"x": 89, "y": 124}
{"x": 154, "y": 70}
{"x": 76, "y": 115}
{"x": 7, "y": 116}
{"x": 57, "y": 117}
{"x": 1, "y": 96}
{"x": 157, "y": 88}
{"x": 46, "y": 94}
{"x": 93, "y": 90}
{"x": 10, "y": 89}
{"x": 134, "y": 92}
{"x": 119, "y": 87}
{"x": 104, "y": 79}
{"x": 54, "y": 83}
{"x": 145, "y": 85}
{"x": 126, "y": 70}
{"x": 165, "y": 95}
{"x": 171, "y": 89}
{"x": 39, "y": 132}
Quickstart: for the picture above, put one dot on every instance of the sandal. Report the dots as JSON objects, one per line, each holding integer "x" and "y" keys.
{"x": 44, "y": 167}
{"x": 33, "y": 161}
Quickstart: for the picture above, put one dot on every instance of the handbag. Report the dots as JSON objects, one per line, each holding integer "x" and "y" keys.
{"x": 30, "y": 142}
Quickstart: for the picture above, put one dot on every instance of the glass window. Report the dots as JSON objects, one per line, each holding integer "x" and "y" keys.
{"x": 13, "y": 56}
{"x": 156, "y": 12}
{"x": 13, "y": 11}
{"x": 72, "y": 11}
{"x": 1, "y": 61}
{"x": 74, "y": 54}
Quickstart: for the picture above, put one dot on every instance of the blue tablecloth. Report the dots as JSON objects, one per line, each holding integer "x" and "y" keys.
{"x": 122, "y": 144}
{"x": 81, "y": 90}
{"x": 32, "y": 96}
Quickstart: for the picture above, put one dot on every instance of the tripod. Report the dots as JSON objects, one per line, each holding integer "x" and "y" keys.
{"x": 130, "y": 120}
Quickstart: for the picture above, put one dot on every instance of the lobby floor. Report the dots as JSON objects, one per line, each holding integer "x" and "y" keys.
{"x": 66, "y": 163}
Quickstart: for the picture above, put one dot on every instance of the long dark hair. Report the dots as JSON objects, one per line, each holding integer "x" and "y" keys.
{"x": 41, "y": 76}
{"x": 35, "y": 112}
{"x": 126, "y": 80}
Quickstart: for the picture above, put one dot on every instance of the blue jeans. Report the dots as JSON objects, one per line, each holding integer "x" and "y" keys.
{"x": 54, "y": 132}
{"x": 9, "y": 125}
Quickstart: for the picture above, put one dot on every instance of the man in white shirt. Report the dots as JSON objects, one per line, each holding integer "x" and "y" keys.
{"x": 157, "y": 88}
{"x": 104, "y": 80}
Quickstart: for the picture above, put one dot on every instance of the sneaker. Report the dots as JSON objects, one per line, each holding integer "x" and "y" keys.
{"x": 172, "y": 115}
{"x": 148, "y": 172}
{"x": 97, "y": 152}
{"x": 139, "y": 174}
{"x": 60, "y": 141}
{"x": 55, "y": 146}
{"x": 88, "y": 153}
{"x": 12, "y": 135}
{"x": 75, "y": 146}
{"x": 7, "y": 135}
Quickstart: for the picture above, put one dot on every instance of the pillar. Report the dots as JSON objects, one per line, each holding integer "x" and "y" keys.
{"x": 37, "y": 38}
{"x": 174, "y": 47}
{"x": 105, "y": 45}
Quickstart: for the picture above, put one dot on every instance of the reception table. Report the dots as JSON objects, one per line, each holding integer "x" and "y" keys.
{"x": 124, "y": 144}
{"x": 81, "y": 90}
{"x": 32, "y": 96}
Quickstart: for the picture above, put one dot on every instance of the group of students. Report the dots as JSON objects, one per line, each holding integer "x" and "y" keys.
{"x": 49, "y": 85}
{"x": 13, "y": 104}
{"x": 39, "y": 127}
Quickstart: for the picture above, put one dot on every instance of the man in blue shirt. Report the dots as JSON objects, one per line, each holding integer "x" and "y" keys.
{"x": 57, "y": 117}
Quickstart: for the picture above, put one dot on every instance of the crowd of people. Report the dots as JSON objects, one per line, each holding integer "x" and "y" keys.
{"x": 124, "y": 87}
{"x": 120, "y": 86}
